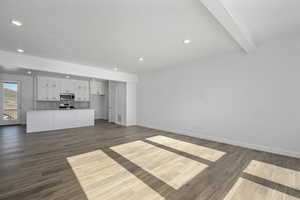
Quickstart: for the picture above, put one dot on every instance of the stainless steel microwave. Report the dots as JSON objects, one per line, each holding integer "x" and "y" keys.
{"x": 67, "y": 97}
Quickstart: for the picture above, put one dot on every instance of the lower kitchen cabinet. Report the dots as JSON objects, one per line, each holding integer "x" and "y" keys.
{"x": 47, "y": 120}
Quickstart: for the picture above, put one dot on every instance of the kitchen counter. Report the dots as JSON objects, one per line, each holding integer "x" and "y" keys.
{"x": 47, "y": 120}
{"x": 60, "y": 109}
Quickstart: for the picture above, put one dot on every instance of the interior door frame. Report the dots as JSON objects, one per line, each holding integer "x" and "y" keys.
{"x": 19, "y": 103}
{"x": 117, "y": 109}
{"x": 112, "y": 96}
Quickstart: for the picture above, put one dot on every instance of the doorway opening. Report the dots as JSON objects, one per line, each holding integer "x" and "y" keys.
{"x": 10, "y": 103}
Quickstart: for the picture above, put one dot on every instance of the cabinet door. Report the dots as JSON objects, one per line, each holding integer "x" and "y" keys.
{"x": 54, "y": 89}
{"x": 97, "y": 87}
{"x": 39, "y": 121}
{"x": 78, "y": 90}
{"x": 71, "y": 88}
{"x": 63, "y": 119}
{"x": 42, "y": 88}
{"x": 67, "y": 86}
{"x": 94, "y": 88}
{"x": 63, "y": 87}
{"x": 101, "y": 89}
{"x": 85, "y": 91}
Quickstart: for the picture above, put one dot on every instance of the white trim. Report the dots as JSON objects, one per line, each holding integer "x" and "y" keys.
{"x": 19, "y": 103}
{"x": 231, "y": 142}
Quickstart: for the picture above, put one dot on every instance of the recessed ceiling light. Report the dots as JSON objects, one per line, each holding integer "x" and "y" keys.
{"x": 20, "y": 50}
{"x": 29, "y": 72}
{"x": 68, "y": 76}
{"x": 186, "y": 41}
{"x": 141, "y": 59}
{"x": 116, "y": 69}
{"x": 16, "y": 23}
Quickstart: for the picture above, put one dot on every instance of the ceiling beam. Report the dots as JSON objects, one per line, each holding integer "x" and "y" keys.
{"x": 11, "y": 60}
{"x": 231, "y": 24}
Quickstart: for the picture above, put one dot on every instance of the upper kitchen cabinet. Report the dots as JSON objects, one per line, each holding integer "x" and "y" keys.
{"x": 86, "y": 91}
{"x": 49, "y": 89}
{"x": 54, "y": 89}
{"x": 42, "y": 88}
{"x": 97, "y": 87}
{"x": 82, "y": 91}
{"x": 68, "y": 86}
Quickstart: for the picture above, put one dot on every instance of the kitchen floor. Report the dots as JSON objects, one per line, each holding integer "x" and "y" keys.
{"x": 110, "y": 162}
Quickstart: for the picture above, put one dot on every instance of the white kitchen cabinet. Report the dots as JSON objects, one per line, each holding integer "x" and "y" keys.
{"x": 39, "y": 121}
{"x": 85, "y": 91}
{"x": 49, "y": 89}
{"x": 54, "y": 89}
{"x": 77, "y": 91}
{"x": 42, "y": 88}
{"x": 68, "y": 86}
{"x": 46, "y": 120}
{"x": 97, "y": 87}
{"x": 81, "y": 91}
{"x": 63, "y": 120}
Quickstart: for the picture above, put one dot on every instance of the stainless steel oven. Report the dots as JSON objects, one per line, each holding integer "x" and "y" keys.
{"x": 67, "y": 101}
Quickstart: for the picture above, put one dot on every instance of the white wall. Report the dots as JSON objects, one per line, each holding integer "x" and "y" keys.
{"x": 251, "y": 100}
{"x": 121, "y": 103}
{"x": 26, "y": 92}
{"x": 130, "y": 104}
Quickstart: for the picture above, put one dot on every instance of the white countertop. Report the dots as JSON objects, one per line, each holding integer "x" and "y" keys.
{"x": 76, "y": 109}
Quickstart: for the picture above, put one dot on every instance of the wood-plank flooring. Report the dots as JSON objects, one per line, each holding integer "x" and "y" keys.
{"x": 196, "y": 150}
{"x": 103, "y": 178}
{"x": 248, "y": 190}
{"x": 108, "y": 161}
{"x": 173, "y": 169}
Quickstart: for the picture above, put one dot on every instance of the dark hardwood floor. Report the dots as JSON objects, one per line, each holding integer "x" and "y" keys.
{"x": 34, "y": 166}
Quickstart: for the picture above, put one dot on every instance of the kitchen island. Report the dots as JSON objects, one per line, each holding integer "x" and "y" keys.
{"x": 47, "y": 120}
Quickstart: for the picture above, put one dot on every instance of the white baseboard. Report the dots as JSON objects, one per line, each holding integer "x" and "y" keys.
{"x": 229, "y": 141}
{"x": 130, "y": 124}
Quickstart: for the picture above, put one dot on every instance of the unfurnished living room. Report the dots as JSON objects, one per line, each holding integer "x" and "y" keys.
{"x": 150, "y": 100}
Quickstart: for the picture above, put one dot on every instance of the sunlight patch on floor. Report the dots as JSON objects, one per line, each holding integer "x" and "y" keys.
{"x": 193, "y": 149}
{"x": 103, "y": 178}
{"x": 284, "y": 176}
{"x": 248, "y": 190}
{"x": 171, "y": 168}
